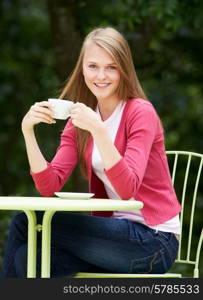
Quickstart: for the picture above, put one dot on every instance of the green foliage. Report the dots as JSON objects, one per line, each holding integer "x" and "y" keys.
{"x": 27, "y": 75}
{"x": 166, "y": 42}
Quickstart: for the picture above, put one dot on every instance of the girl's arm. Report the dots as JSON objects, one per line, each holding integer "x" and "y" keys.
{"x": 48, "y": 177}
{"x": 38, "y": 113}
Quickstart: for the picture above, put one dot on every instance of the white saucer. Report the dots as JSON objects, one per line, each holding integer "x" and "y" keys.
{"x": 75, "y": 196}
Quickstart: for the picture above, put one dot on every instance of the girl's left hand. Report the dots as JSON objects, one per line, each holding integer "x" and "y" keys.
{"x": 84, "y": 117}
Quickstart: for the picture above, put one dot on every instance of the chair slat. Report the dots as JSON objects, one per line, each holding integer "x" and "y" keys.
{"x": 193, "y": 208}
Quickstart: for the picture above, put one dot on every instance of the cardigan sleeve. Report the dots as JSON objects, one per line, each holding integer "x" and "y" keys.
{"x": 127, "y": 174}
{"x": 53, "y": 178}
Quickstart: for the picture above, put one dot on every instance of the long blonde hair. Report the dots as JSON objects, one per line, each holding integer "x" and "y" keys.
{"x": 76, "y": 89}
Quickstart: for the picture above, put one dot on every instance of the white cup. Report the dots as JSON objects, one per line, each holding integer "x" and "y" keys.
{"x": 61, "y": 108}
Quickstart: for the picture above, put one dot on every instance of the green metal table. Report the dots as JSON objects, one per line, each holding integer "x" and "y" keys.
{"x": 50, "y": 205}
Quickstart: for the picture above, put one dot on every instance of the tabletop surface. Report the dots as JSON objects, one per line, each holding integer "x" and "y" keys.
{"x": 57, "y": 204}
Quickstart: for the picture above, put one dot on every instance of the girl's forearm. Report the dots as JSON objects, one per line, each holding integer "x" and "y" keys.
{"x": 109, "y": 154}
{"x": 36, "y": 160}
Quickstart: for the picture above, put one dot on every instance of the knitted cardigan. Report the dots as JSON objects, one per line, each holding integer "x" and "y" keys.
{"x": 141, "y": 173}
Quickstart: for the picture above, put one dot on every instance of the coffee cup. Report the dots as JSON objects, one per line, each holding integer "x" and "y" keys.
{"x": 61, "y": 108}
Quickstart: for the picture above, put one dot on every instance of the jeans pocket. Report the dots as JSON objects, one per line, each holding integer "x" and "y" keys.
{"x": 170, "y": 243}
{"x": 155, "y": 263}
{"x": 140, "y": 233}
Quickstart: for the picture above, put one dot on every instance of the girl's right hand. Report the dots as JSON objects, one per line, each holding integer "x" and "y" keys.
{"x": 40, "y": 112}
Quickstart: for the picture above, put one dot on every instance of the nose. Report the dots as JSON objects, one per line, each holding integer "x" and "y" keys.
{"x": 101, "y": 74}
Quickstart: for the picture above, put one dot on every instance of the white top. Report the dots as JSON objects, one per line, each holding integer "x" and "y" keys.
{"x": 112, "y": 125}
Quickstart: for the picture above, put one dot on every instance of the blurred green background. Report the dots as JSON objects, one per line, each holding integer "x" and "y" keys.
{"x": 40, "y": 42}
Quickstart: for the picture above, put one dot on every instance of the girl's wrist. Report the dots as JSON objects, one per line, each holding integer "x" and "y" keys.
{"x": 99, "y": 129}
{"x": 27, "y": 131}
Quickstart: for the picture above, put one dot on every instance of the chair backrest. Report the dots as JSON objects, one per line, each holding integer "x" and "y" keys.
{"x": 186, "y": 170}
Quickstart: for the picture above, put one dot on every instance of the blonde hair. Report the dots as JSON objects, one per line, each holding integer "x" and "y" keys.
{"x": 76, "y": 89}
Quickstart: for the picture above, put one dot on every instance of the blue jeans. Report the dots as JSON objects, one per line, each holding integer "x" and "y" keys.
{"x": 84, "y": 243}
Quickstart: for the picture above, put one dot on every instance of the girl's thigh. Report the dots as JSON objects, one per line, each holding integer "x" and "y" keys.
{"x": 117, "y": 245}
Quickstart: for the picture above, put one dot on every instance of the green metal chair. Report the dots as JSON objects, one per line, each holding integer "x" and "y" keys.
{"x": 186, "y": 170}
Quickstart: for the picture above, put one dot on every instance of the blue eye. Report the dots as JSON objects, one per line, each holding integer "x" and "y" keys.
{"x": 92, "y": 66}
{"x": 112, "y": 67}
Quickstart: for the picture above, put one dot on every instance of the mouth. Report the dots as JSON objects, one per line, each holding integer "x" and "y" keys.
{"x": 101, "y": 85}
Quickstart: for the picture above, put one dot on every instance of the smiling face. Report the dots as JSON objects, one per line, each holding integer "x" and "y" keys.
{"x": 100, "y": 72}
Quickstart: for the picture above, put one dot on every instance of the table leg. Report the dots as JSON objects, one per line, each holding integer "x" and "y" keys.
{"x": 46, "y": 244}
{"x": 32, "y": 244}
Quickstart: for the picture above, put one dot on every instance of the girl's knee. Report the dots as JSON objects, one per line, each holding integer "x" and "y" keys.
{"x": 19, "y": 220}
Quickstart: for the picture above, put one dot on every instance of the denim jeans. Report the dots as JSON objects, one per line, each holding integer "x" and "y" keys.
{"x": 84, "y": 243}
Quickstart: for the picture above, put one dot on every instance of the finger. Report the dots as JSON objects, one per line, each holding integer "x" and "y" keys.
{"x": 43, "y": 103}
{"x": 75, "y": 122}
{"x": 74, "y": 106}
{"x": 76, "y": 115}
{"x": 41, "y": 120}
{"x": 78, "y": 124}
{"x": 41, "y": 109}
{"x": 42, "y": 116}
{"x": 36, "y": 120}
{"x": 78, "y": 104}
{"x": 75, "y": 110}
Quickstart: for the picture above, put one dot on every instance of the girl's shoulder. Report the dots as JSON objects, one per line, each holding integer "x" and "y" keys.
{"x": 141, "y": 112}
{"x": 139, "y": 105}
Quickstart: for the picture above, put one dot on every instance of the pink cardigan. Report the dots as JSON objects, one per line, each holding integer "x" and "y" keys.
{"x": 142, "y": 172}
